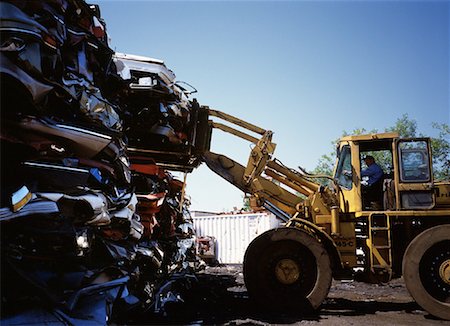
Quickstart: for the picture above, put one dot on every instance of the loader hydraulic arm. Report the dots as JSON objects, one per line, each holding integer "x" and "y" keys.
{"x": 266, "y": 192}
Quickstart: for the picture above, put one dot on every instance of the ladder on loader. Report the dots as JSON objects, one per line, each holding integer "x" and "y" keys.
{"x": 380, "y": 244}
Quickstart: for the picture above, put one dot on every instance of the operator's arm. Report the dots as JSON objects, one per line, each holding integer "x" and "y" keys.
{"x": 374, "y": 172}
{"x": 369, "y": 171}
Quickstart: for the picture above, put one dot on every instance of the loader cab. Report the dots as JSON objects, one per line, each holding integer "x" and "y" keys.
{"x": 406, "y": 180}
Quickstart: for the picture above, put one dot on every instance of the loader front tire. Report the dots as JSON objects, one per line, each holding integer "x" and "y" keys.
{"x": 287, "y": 268}
{"x": 426, "y": 270}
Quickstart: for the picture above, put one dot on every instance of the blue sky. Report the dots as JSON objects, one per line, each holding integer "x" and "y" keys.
{"x": 305, "y": 70}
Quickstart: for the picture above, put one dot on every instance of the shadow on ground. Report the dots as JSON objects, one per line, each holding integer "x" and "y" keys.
{"x": 219, "y": 299}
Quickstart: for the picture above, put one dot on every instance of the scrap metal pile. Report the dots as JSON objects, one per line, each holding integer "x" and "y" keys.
{"x": 93, "y": 226}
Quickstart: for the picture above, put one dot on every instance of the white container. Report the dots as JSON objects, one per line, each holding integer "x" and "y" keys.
{"x": 234, "y": 232}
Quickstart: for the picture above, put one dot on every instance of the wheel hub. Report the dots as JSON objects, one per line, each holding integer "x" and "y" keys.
{"x": 444, "y": 271}
{"x": 287, "y": 271}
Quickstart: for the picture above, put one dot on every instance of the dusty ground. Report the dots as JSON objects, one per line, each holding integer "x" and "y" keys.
{"x": 220, "y": 298}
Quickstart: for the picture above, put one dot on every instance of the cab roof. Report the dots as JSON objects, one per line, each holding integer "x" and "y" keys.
{"x": 380, "y": 136}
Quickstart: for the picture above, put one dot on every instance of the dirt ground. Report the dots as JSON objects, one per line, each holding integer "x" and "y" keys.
{"x": 220, "y": 298}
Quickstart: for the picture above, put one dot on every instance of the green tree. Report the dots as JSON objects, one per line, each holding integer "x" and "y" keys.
{"x": 441, "y": 152}
{"x": 325, "y": 165}
{"x": 246, "y": 204}
{"x": 406, "y": 127}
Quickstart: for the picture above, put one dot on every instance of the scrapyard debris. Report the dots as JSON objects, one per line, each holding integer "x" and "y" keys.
{"x": 89, "y": 233}
{"x": 161, "y": 122}
{"x": 206, "y": 249}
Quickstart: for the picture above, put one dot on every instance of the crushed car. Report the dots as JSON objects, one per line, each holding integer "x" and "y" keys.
{"x": 93, "y": 226}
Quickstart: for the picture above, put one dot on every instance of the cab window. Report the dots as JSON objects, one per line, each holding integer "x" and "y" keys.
{"x": 414, "y": 161}
{"x": 343, "y": 174}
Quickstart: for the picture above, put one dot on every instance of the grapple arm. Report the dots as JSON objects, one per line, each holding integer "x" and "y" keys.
{"x": 266, "y": 191}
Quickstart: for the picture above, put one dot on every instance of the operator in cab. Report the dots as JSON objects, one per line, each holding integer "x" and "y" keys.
{"x": 373, "y": 187}
{"x": 373, "y": 170}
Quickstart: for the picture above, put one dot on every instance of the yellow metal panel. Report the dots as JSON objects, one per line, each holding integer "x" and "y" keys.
{"x": 323, "y": 219}
{"x": 431, "y": 213}
{"x": 236, "y": 121}
{"x": 414, "y": 186}
{"x": 234, "y": 131}
{"x": 386, "y": 135}
{"x": 351, "y": 201}
{"x": 346, "y": 243}
{"x": 442, "y": 190}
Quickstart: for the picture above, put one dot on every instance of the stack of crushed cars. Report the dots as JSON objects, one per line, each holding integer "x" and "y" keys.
{"x": 93, "y": 227}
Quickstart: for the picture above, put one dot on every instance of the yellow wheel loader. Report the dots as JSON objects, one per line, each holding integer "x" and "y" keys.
{"x": 400, "y": 228}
